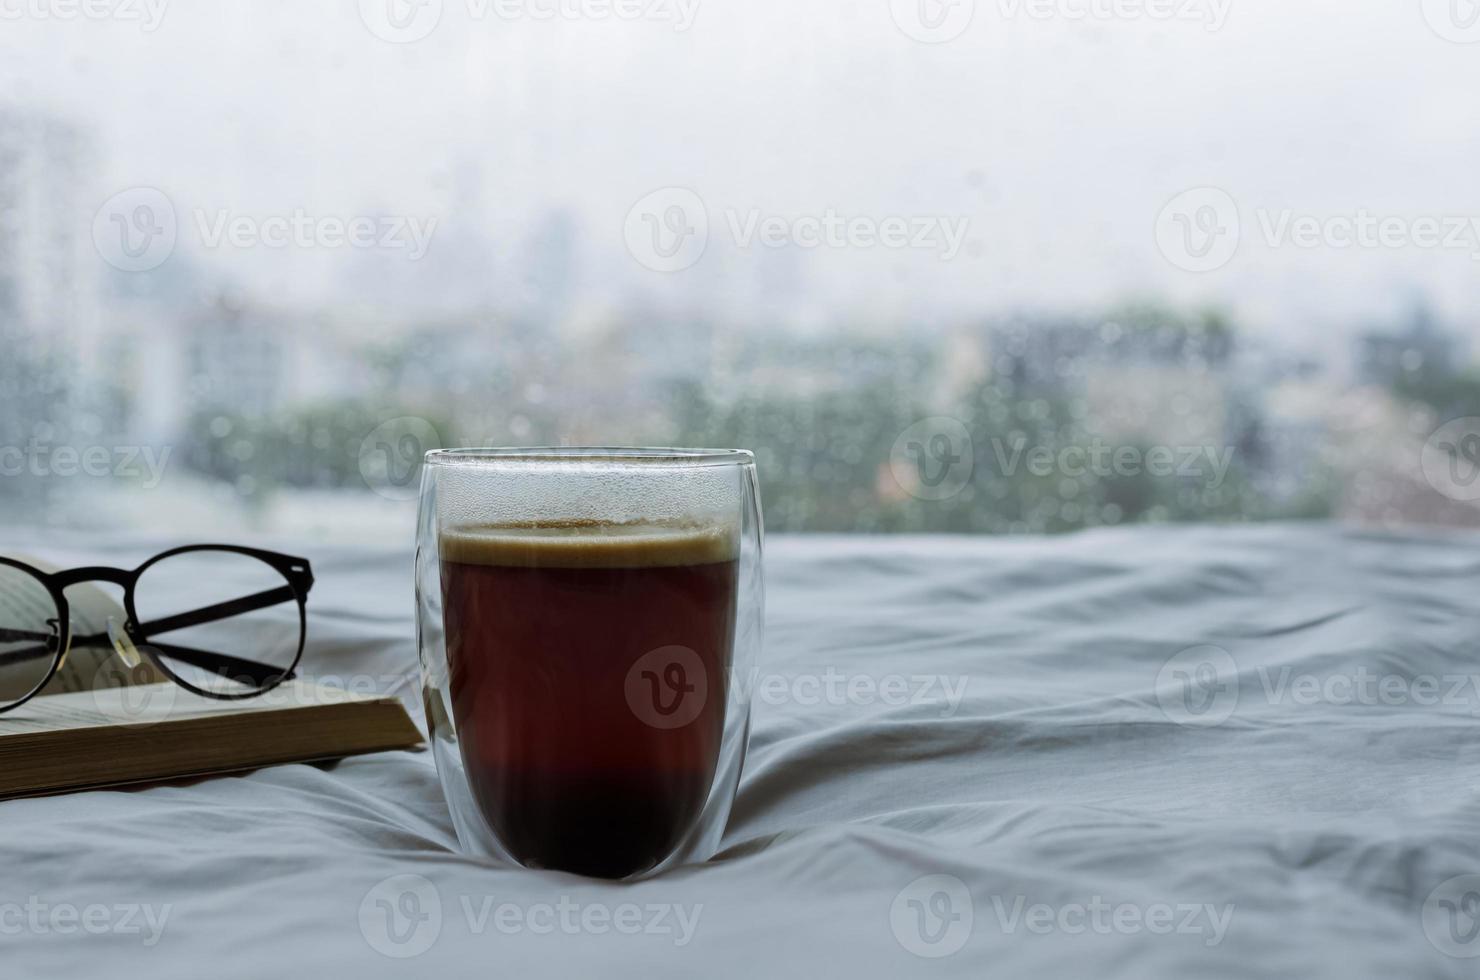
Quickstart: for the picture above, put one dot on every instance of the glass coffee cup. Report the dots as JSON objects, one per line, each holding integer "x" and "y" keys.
{"x": 589, "y": 622}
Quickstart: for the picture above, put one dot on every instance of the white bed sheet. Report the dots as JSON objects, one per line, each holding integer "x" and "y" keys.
{"x": 1043, "y": 811}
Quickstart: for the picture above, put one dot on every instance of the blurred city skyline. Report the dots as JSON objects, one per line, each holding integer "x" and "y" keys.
{"x": 258, "y": 244}
{"x": 1056, "y": 141}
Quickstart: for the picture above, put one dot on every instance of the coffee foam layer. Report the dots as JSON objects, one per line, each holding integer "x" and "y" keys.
{"x": 583, "y": 544}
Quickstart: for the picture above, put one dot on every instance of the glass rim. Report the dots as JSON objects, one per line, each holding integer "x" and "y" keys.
{"x": 656, "y": 456}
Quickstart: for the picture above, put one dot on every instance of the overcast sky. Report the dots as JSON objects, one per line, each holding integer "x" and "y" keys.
{"x": 1051, "y": 141}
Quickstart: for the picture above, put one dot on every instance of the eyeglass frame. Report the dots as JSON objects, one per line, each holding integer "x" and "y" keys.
{"x": 298, "y": 576}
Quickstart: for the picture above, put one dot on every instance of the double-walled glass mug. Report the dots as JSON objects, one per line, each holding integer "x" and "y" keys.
{"x": 589, "y": 622}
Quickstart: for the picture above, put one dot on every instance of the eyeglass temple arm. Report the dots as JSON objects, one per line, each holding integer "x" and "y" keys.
{"x": 220, "y": 663}
{"x": 43, "y": 649}
{"x": 221, "y": 610}
{"x": 20, "y": 636}
{"x": 217, "y": 663}
{"x": 208, "y": 614}
{"x": 233, "y": 668}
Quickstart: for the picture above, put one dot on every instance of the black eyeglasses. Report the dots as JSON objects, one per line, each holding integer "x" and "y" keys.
{"x": 220, "y": 621}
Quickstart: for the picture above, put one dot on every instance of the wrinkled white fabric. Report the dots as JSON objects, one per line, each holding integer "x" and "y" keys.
{"x": 1060, "y": 787}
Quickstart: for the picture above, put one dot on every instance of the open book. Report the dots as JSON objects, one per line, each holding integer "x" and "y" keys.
{"x": 102, "y": 722}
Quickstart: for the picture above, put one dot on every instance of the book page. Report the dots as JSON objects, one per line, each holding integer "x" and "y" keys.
{"x": 142, "y": 705}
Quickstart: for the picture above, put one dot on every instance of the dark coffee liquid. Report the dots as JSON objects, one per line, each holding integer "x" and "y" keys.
{"x": 590, "y": 668}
